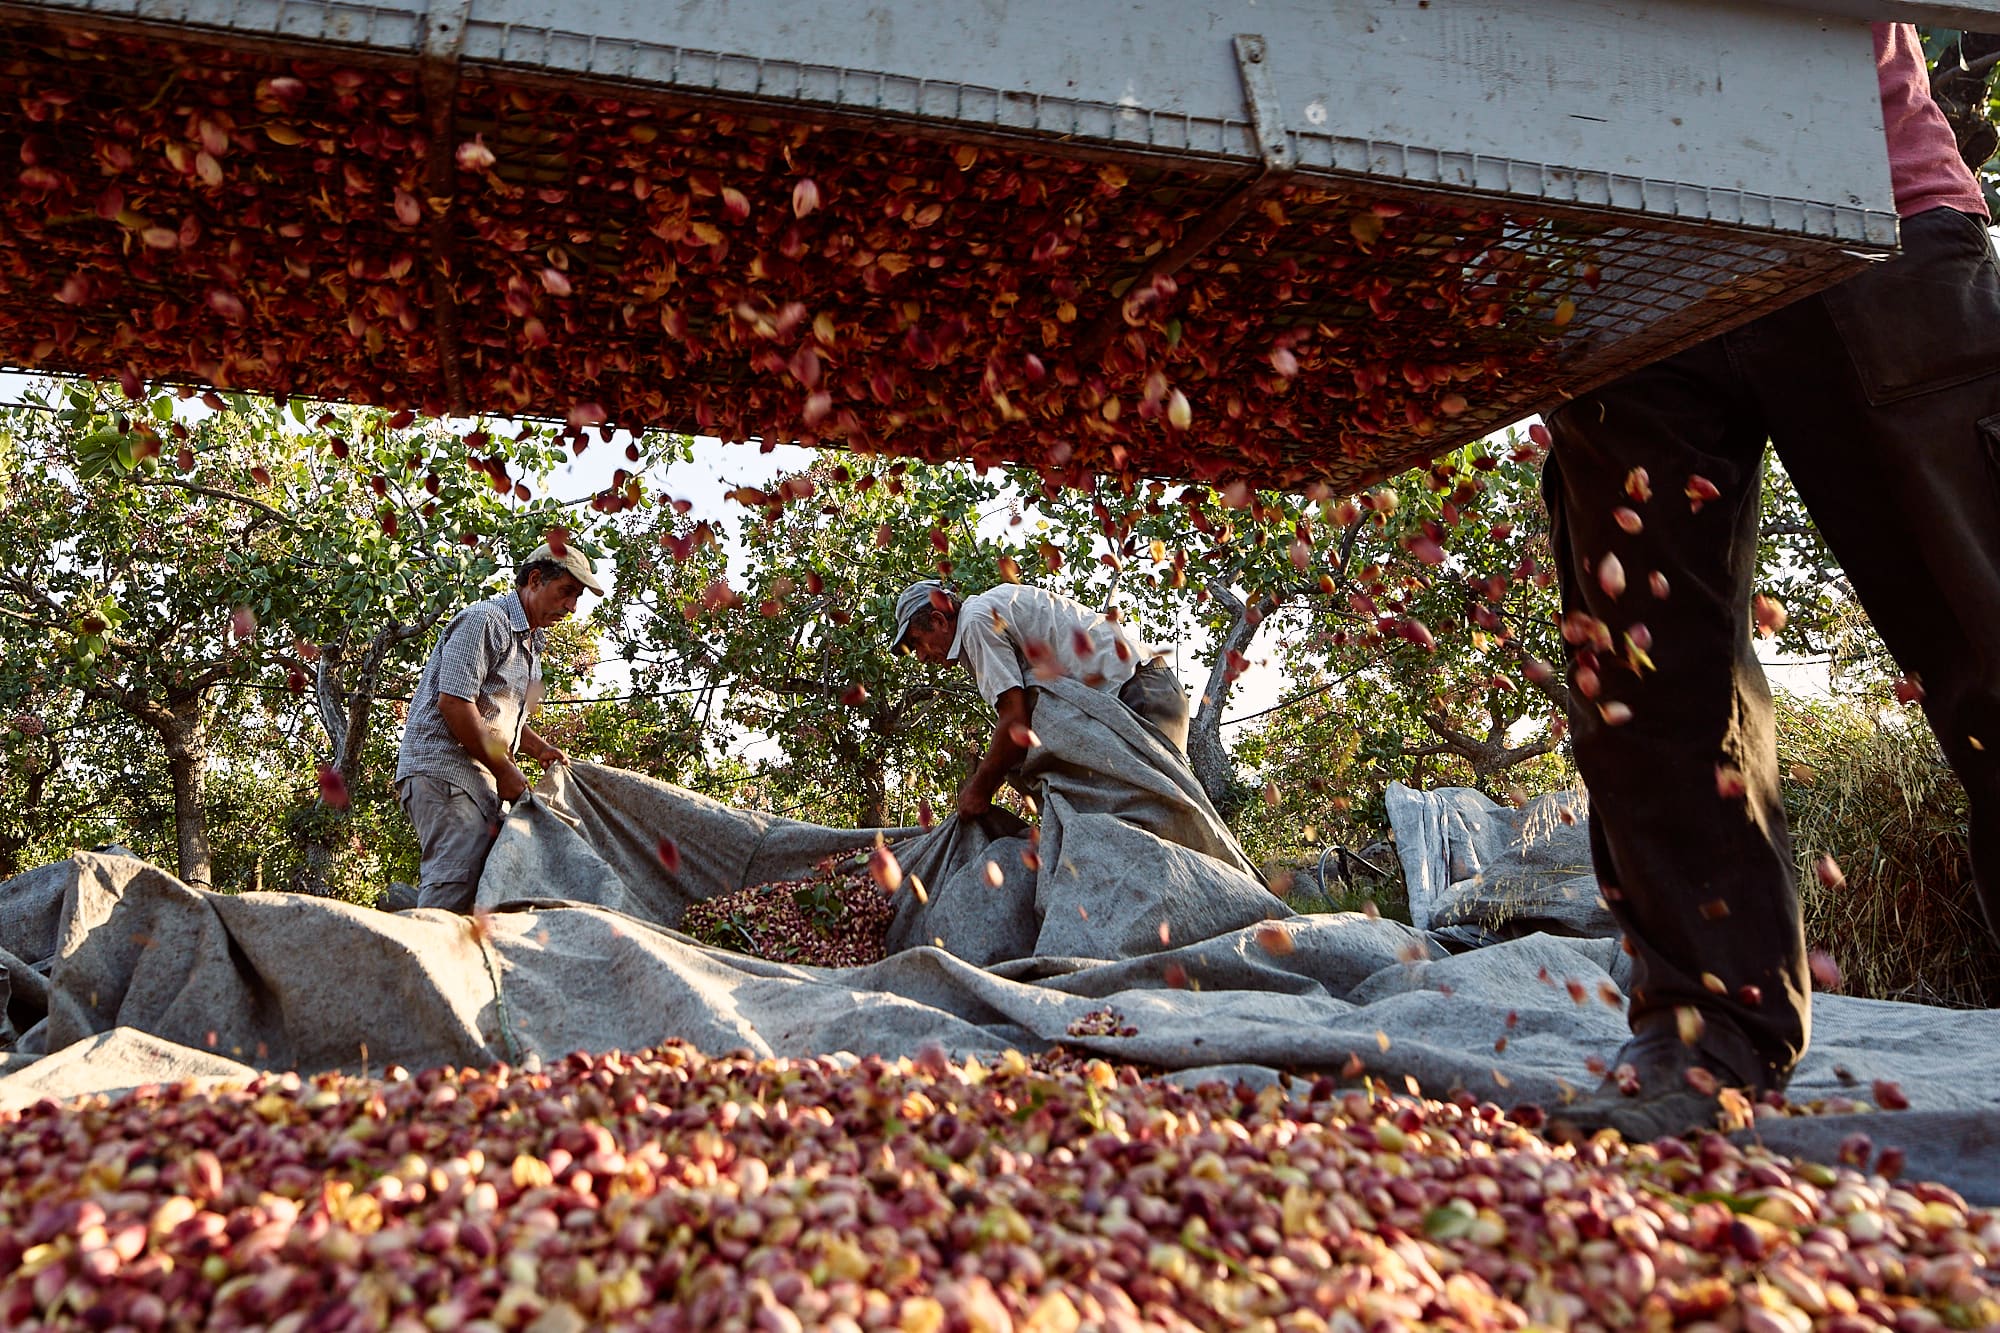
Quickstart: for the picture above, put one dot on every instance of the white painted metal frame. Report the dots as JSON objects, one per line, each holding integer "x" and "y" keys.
{"x": 1758, "y": 115}
{"x": 1976, "y": 15}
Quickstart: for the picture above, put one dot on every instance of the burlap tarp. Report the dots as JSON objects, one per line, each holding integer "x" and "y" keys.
{"x": 1488, "y": 871}
{"x": 1128, "y": 842}
{"x": 575, "y": 950}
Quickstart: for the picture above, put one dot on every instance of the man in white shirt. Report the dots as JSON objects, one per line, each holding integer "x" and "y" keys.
{"x": 1010, "y": 637}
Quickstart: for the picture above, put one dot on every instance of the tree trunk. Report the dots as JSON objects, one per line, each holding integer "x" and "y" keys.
{"x": 330, "y": 695}
{"x": 316, "y": 837}
{"x": 872, "y": 809}
{"x": 1207, "y": 755}
{"x": 314, "y": 875}
{"x": 12, "y": 845}
{"x": 346, "y": 711}
{"x": 187, "y": 759}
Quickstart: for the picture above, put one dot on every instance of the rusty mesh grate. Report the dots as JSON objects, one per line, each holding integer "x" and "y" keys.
{"x": 272, "y": 222}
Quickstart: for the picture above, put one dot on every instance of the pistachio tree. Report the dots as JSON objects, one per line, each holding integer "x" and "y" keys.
{"x": 122, "y": 595}
{"x": 785, "y": 640}
{"x": 157, "y": 555}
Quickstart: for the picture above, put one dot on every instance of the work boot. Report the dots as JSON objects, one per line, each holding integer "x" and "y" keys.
{"x": 1663, "y": 1088}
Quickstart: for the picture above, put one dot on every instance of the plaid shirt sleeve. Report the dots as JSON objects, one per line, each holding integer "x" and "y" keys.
{"x": 472, "y": 643}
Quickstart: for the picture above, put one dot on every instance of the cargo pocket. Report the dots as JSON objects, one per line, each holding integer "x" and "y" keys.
{"x": 1928, "y": 319}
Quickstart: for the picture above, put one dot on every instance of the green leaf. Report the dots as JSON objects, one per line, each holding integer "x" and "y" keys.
{"x": 98, "y": 451}
{"x": 1450, "y": 1221}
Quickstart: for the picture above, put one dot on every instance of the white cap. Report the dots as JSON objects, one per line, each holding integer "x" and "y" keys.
{"x": 573, "y": 560}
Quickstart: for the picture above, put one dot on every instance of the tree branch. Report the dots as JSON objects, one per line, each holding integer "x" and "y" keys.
{"x": 1347, "y": 545}
{"x": 208, "y": 678}
{"x": 1555, "y": 689}
{"x": 37, "y": 595}
{"x": 1470, "y": 747}
{"x": 1300, "y": 697}
{"x": 1487, "y": 758}
{"x": 216, "y": 493}
{"x": 1522, "y": 753}
{"x": 130, "y": 700}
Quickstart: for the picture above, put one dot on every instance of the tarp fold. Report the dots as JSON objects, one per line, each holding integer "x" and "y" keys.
{"x": 572, "y": 952}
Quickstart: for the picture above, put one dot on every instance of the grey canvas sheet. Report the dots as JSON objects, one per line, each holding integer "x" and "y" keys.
{"x": 116, "y": 974}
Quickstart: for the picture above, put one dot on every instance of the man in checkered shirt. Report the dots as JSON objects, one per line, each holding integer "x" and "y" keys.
{"x": 455, "y": 771}
{"x": 1010, "y": 636}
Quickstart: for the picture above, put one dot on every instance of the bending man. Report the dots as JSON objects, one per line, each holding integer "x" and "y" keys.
{"x": 455, "y": 771}
{"x": 1008, "y": 635}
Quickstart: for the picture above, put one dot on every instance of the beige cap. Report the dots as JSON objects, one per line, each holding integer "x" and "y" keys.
{"x": 573, "y": 560}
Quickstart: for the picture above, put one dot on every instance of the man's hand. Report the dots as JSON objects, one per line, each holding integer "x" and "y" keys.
{"x": 470, "y": 731}
{"x": 540, "y": 750}
{"x": 513, "y": 782}
{"x": 972, "y": 802}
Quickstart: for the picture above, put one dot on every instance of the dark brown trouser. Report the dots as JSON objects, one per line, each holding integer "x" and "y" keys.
{"x": 1155, "y": 693}
{"x": 1883, "y": 399}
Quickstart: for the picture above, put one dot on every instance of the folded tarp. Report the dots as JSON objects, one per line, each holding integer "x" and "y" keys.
{"x": 278, "y": 981}
{"x": 575, "y": 950}
{"x": 1130, "y": 859}
{"x": 1474, "y": 867}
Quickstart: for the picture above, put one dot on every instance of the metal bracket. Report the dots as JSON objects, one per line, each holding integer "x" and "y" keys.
{"x": 1274, "y": 152}
{"x": 1267, "y": 120}
{"x": 437, "y": 62}
{"x": 444, "y": 31}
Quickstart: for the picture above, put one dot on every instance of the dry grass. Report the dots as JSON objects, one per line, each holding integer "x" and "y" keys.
{"x": 1878, "y": 796}
{"x": 1303, "y": 890}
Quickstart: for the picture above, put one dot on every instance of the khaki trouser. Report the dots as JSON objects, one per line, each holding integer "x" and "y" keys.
{"x": 456, "y": 829}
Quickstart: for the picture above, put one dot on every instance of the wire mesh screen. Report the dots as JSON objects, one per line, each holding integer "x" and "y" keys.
{"x": 278, "y": 223}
